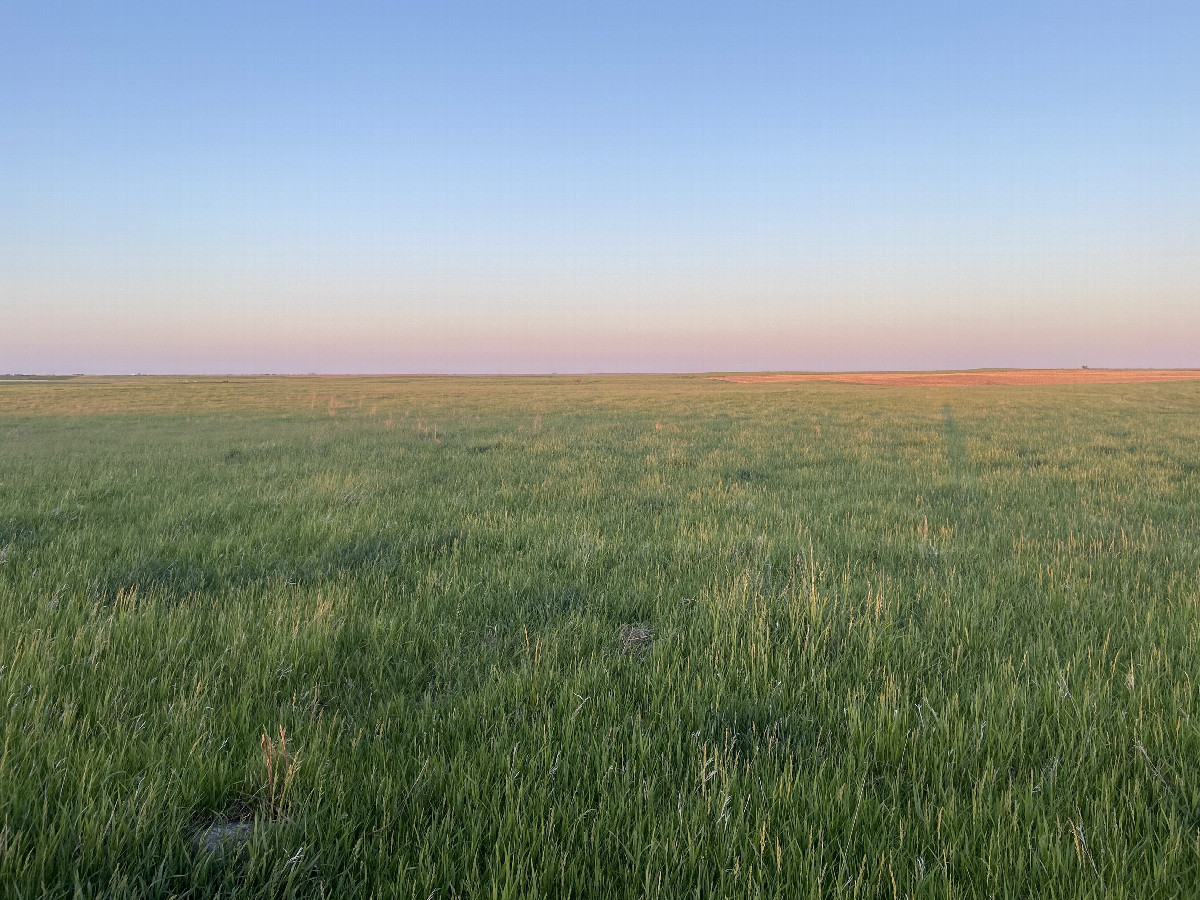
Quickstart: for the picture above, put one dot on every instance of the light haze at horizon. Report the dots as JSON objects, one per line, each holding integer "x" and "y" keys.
{"x": 551, "y": 187}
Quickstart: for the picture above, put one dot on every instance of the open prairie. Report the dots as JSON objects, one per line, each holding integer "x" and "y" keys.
{"x": 982, "y": 376}
{"x": 598, "y": 637}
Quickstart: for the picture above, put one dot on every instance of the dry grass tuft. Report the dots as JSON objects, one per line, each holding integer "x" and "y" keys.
{"x": 636, "y": 638}
{"x": 281, "y": 770}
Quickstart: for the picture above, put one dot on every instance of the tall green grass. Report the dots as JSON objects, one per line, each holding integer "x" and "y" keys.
{"x": 627, "y": 637}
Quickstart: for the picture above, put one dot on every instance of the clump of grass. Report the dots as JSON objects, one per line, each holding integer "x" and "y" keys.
{"x": 231, "y": 830}
{"x": 281, "y": 766}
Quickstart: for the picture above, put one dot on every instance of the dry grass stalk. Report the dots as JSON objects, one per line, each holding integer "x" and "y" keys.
{"x": 281, "y": 770}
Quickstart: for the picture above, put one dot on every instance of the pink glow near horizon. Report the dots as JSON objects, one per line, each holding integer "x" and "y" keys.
{"x": 893, "y": 316}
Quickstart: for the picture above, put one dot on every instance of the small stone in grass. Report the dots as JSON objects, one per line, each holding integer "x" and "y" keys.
{"x": 221, "y": 836}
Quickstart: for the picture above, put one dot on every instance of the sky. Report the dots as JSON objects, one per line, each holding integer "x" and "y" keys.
{"x": 574, "y": 187}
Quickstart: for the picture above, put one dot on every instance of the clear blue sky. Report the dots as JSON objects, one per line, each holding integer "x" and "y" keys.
{"x": 442, "y": 186}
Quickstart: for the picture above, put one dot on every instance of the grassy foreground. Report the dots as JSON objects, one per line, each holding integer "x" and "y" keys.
{"x": 598, "y": 637}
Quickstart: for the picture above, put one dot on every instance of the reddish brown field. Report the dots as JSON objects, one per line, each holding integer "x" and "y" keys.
{"x": 1003, "y": 376}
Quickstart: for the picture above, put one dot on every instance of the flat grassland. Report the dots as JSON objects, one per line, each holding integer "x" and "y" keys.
{"x": 981, "y": 376}
{"x": 598, "y": 637}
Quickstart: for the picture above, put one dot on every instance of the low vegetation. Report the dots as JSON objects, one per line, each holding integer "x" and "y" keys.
{"x": 598, "y": 637}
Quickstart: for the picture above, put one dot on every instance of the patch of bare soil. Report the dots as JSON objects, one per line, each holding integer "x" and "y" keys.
{"x": 1000, "y": 376}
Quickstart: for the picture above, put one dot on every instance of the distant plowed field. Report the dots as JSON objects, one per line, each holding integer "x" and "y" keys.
{"x": 1008, "y": 376}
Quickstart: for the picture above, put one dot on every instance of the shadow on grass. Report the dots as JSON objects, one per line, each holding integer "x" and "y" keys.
{"x": 180, "y": 576}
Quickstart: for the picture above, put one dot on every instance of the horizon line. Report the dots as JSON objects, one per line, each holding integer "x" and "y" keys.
{"x": 592, "y": 374}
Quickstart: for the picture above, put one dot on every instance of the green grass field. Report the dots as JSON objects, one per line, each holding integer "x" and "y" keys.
{"x": 598, "y": 637}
